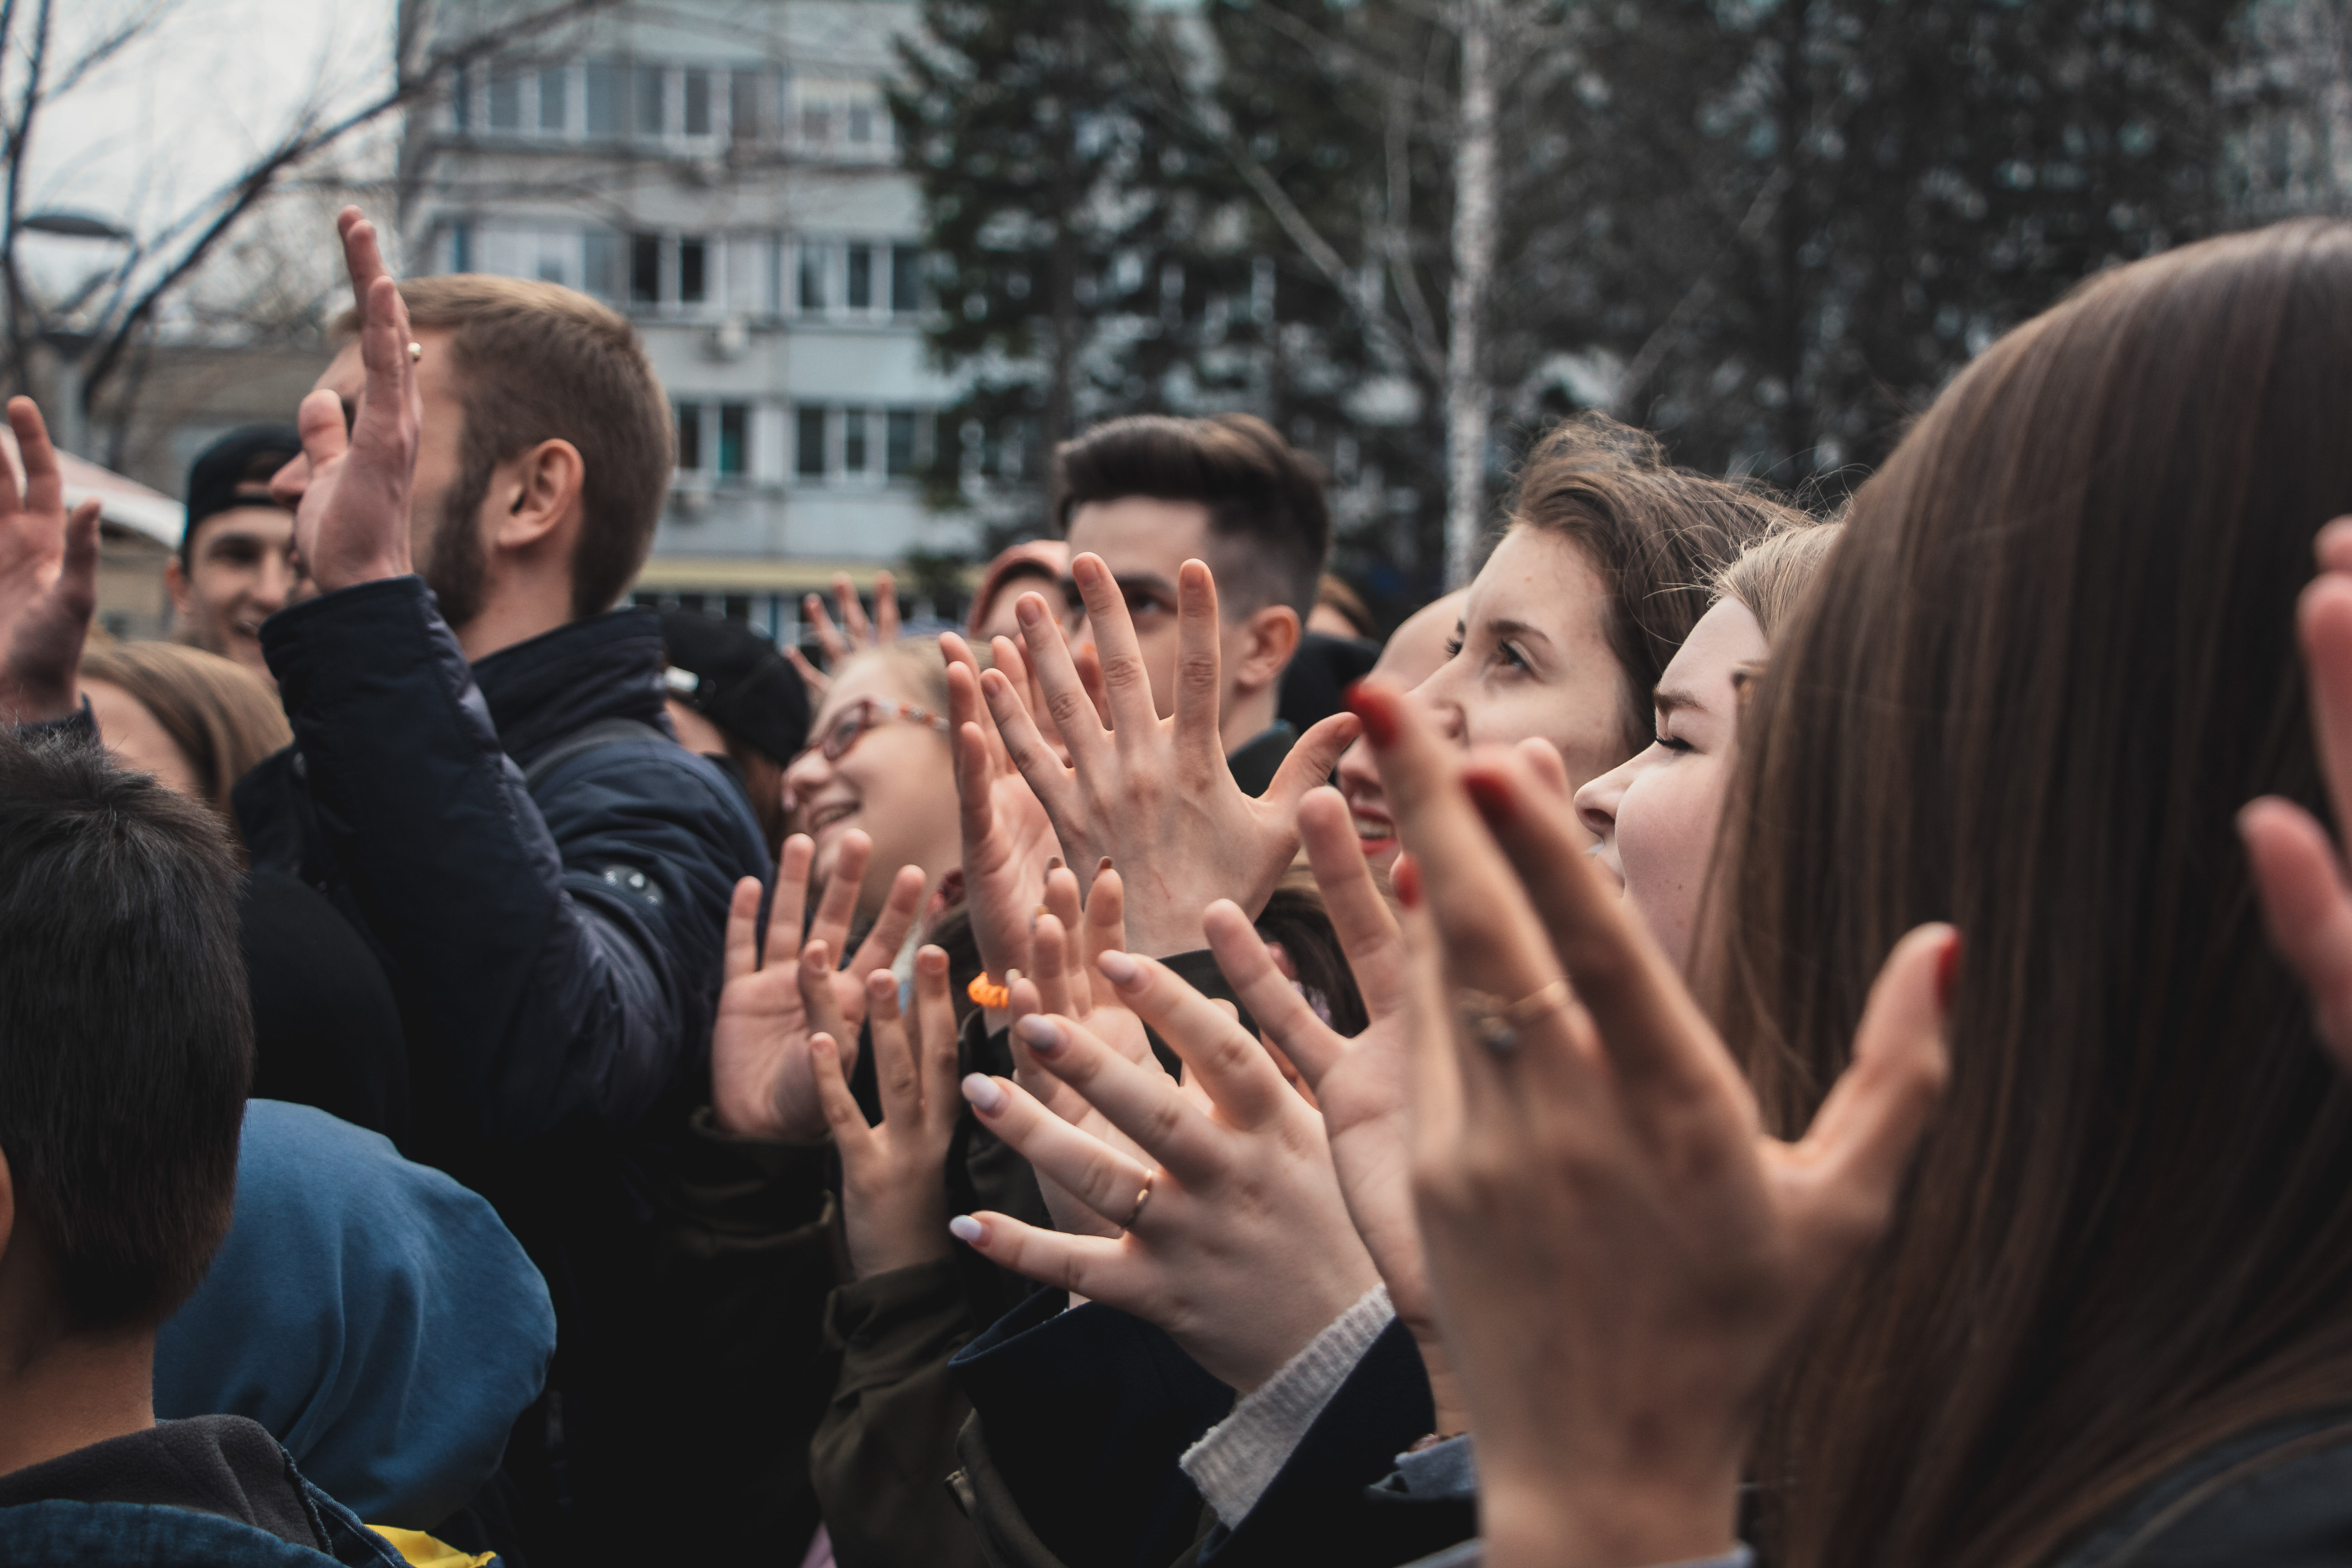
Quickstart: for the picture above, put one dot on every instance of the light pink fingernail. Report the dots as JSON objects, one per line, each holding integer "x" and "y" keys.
{"x": 968, "y": 1230}
{"x": 1119, "y": 969}
{"x": 984, "y": 1093}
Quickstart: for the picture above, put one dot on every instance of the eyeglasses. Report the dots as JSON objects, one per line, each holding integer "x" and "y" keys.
{"x": 866, "y": 714}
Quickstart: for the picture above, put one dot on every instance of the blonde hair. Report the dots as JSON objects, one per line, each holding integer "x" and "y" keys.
{"x": 918, "y": 664}
{"x": 223, "y": 717}
{"x": 1771, "y": 576}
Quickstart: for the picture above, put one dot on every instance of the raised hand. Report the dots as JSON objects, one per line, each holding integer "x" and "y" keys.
{"x": 1154, "y": 794}
{"x": 894, "y": 1203}
{"x": 48, "y": 578}
{"x": 762, "y": 1082}
{"x": 1061, "y": 986}
{"x": 1007, "y": 836}
{"x": 855, "y": 634}
{"x": 2298, "y": 871}
{"x": 351, "y": 525}
{"x": 1236, "y": 1240}
{"x": 1362, "y": 1084}
{"x": 1619, "y": 1254}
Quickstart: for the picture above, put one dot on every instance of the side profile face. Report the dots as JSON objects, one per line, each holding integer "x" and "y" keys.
{"x": 1412, "y": 654}
{"x": 897, "y": 781}
{"x": 439, "y": 446}
{"x": 1531, "y": 657}
{"x": 1145, "y": 543}
{"x": 240, "y": 572}
{"x": 1655, "y": 814}
{"x": 136, "y": 741}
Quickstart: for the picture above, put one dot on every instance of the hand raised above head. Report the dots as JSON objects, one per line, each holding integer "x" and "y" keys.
{"x": 855, "y": 634}
{"x": 1618, "y": 1255}
{"x": 352, "y": 523}
{"x": 48, "y": 578}
{"x": 762, "y": 1082}
{"x": 1007, "y": 838}
{"x": 1236, "y": 1240}
{"x": 1152, "y": 793}
{"x": 2298, "y": 871}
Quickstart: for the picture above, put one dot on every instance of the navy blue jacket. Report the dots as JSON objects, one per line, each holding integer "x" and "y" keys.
{"x": 555, "y": 952}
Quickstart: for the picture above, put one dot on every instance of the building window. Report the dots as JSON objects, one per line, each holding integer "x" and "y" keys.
{"x": 603, "y": 98}
{"x": 853, "y": 441}
{"x": 734, "y": 424}
{"x": 812, "y": 277}
{"x": 554, "y": 98}
{"x": 461, "y": 101}
{"x": 506, "y": 99}
{"x": 861, "y": 124}
{"x": 689, "y": 438}
{"x": 860, "y": 292}
{"x": 898, "y": 444}
{"x": 461, "y": 248}
{"x": 743, "y": 106}
{"x": 597, "y": 264}
{"x": 808, "y": 446}
{"x": 692, "y": 270}
{"x": 816, "y": 123}
{"x": 698, "y": 103}
{"x": 652, "y": 106}
{"x": 906, "y": 279}
{"x": 644, "y": 269}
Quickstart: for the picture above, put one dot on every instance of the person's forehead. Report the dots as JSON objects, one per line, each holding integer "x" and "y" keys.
{"x": 346, "y": 373}
{"x": 1142, "y": 535}
{"x": 269, "y": 525}
{"x": 1536, "y": 577}
{"x": 1726, "y": 637}
{"x": 872, "y": 678}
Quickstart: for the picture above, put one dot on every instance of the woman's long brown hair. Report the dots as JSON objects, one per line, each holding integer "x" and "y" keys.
{"x": 2050, "y": 659}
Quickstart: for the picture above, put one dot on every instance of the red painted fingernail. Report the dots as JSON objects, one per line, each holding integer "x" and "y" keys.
{"x": 1492, "y": 796}
{"x": 1378, "y": 716}
{"x": 1948, "y": 970}
{"x": 1405, "y": 878}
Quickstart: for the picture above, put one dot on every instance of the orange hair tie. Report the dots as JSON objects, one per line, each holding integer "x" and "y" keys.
{"x": 988, "y": 994}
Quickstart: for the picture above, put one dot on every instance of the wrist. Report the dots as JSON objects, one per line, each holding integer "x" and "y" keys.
{"x": 41, "y": 701}
{"x": 332, "y": 576}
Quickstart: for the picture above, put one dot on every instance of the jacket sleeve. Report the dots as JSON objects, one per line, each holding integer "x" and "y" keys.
{"x": 547, "y": 984}
{"x": 881, "y": 1459}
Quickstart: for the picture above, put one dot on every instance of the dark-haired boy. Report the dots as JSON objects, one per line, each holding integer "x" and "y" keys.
{"x": 235, "y": 567}
{"x": 1151, "y": 492}
{"x": 125, "y": 1051}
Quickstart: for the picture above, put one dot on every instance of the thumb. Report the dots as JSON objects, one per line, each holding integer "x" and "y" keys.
{"x": 1310, "y": 761}
{"x": 321, "y": 421}
{"x": 76, "y": 586}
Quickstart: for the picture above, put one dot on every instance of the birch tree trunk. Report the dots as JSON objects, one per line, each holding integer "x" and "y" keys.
{"x": 1465, "y": 307}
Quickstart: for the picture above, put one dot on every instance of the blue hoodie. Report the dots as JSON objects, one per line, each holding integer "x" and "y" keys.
{"x": 372, "y": 1314}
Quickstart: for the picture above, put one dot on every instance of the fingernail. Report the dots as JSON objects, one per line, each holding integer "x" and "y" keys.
{"x": 1378, "y": 719}
{"x": 1492, "y": 796}
{"x": 984, "y": 1093}
{"x": 1103, "y": 865}
{"x": 968, "y": 1230}
{"x": 1405, "y": 878}
{"x": 1118, "y": 968}
{"x": 1029, "y": 610}
{"x": 1948, "y": 971}
{"x": 1040, "y": 1034}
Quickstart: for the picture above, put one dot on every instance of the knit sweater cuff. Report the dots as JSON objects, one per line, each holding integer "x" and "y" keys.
{"x": 1239, "y": 1458}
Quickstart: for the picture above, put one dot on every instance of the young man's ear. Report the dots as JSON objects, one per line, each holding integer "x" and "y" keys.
{"x": 535, "y": 496}
{"x": 175, "y": 583}
{"x": 1269, "y": 639}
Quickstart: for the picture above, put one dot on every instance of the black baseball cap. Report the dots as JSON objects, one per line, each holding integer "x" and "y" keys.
{"x": 234, "y": 471}
{"x": 735, "y": 677}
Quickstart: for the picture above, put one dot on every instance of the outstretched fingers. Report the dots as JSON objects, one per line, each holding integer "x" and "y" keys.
{"x": 742, "y": 947}
{"x": 838, "y": 904}
{"x": 1226, "y": 1060}
{"x": 1361, "y": 918}
{"x": 790, "y": 906}
{"x": 45, "y": 482}
{"x": 1066, "y": 702}
{"x": 888, "y": 933}
{"x": 1125, "y": 685}
{"x": 1139, "y": 1100}
{"x": 1105, "y": 1179}
{"x": 1039, "y": 765}
{"x": 898, "y": 1083}
{"x": 1308, "y": 766}
{"x": 1312, "y": 1046}
{"x": 1199, "y": 679}
{"x": 935, "y": 1018}
{"x": 842, "y": 1114}
{"x": 1094, "y": 1266}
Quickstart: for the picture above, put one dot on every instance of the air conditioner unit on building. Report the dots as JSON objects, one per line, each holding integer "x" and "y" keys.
{"x": 729, "y": 340}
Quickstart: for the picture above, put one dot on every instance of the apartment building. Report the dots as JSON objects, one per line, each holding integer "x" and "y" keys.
{"x": 727, "y": 173}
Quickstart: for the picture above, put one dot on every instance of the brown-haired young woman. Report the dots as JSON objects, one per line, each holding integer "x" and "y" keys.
{"x": 197, "y": 720}
{"x": 2107, "y": 1315}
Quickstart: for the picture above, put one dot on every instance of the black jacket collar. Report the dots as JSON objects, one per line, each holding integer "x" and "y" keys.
{"x": 605, "y": 666}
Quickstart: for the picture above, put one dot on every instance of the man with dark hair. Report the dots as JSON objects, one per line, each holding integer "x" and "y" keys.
{"x": 236, "y": 566}
{"x": 125, "y": 1051}
{"x": 1151, "y": 492}
{"x": 483, "y": 779}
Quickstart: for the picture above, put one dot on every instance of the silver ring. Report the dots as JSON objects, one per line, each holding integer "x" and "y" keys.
{"x": 1497, "y": 1023}
{"x": 1141, "y": 1198}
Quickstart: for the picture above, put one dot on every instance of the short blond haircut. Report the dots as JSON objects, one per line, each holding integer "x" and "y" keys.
{"x": 539, "y": 361}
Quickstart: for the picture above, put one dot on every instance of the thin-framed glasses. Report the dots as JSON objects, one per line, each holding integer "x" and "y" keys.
{"x": 866, "y": 714}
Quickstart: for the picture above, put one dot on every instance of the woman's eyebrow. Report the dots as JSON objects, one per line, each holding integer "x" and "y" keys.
{"x": 1510, "y": 628}
{"x": 1673, "y": 698}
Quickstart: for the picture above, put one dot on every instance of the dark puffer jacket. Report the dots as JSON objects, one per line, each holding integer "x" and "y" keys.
{"x": 555, "y": 949}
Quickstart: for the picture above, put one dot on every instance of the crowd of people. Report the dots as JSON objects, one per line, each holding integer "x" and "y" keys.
{"x": 1740, "y": 1037}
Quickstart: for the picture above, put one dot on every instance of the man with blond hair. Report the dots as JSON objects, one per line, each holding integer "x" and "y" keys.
{"x": 483, "y": 779}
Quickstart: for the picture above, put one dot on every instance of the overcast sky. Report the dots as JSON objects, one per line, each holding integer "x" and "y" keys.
{"x": 188, "y": 105}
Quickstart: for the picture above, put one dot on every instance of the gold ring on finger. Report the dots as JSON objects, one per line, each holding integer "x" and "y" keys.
{"x": 1497, "y": 1023}
{"x": 1141, "y": 1198}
